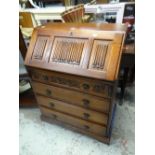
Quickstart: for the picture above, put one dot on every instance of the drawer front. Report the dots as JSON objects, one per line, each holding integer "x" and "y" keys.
{"x": 91, "y": 86}
{"x": 77, "y": 98}
{"x": 82, "y": 124}
{"x": 70, "y": 109}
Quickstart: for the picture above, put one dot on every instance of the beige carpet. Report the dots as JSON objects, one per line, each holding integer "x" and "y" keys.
{"x": 40, "y": 138}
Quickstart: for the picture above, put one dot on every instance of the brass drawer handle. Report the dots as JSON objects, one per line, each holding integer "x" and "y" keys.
{"x": 86, "y": 127}
{"x": 86, "y": 103}
{"x": 54, "y": 116}
{"x": 85, "y": 86}
{"x": 48, "y": 92}
{"x": 51, "y": 105}
{"x": 86, "y": 115}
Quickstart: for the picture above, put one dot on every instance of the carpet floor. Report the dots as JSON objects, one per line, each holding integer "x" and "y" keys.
{"x": 40, "y": 138}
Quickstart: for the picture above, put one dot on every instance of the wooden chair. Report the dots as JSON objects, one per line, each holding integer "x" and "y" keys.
{"x": 75, "y": 14}
{"x": 27, "y": 24}
{"x": 127, "y": 69}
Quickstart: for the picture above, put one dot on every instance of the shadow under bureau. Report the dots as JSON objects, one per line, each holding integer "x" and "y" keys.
{"x": 74, "y": 70}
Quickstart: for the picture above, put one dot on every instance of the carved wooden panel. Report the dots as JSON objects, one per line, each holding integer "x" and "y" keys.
{"x": 39, "y": 48}
{"x": 98, "y": 55}
{"x": 87, "y": 50}
{"x": 67, "y": 50}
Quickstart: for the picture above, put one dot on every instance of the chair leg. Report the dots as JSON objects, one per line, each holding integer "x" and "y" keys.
{"x": 132, "y": 77}
{"x": 123, "y": 85}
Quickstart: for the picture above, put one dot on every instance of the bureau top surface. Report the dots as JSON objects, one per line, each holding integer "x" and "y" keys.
{"x": 88, "y": 26}
{"x": 89, "y": 50}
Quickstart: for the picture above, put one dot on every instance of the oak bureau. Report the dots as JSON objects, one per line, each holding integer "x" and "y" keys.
{"x": 74, "y": 70}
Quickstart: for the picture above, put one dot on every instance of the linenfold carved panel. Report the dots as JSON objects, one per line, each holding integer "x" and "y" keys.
{"x": 98, "y": 55}
{"x": 89, "y": 50}
{"x": 67, "y": 50}
{"x": 39, "y": 48}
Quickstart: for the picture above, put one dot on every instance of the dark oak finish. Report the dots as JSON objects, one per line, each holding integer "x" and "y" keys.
{"x": 91, "y": 86}
{"x": 74, "y": 69}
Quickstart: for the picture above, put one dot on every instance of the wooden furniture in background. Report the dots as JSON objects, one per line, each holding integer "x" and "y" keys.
{"x": 128, "y": 58}
{"x": 27, "y": 23}
{"x": 26, "y": 99}
{"x": 127, "y": 67}
{"x": 74, "y": 69}
{"x": 75, "y": 14}
{"x": 54, "y": 13}
{"x": 25, "y": 19}
{"x": 22, "y": 46}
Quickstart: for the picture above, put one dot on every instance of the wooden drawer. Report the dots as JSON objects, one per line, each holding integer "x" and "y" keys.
{"x": 70, "y": 109}
{"x": 91, "y": 86}
{"x": 70, "y": 96}
{"x": 82, "y": 124}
